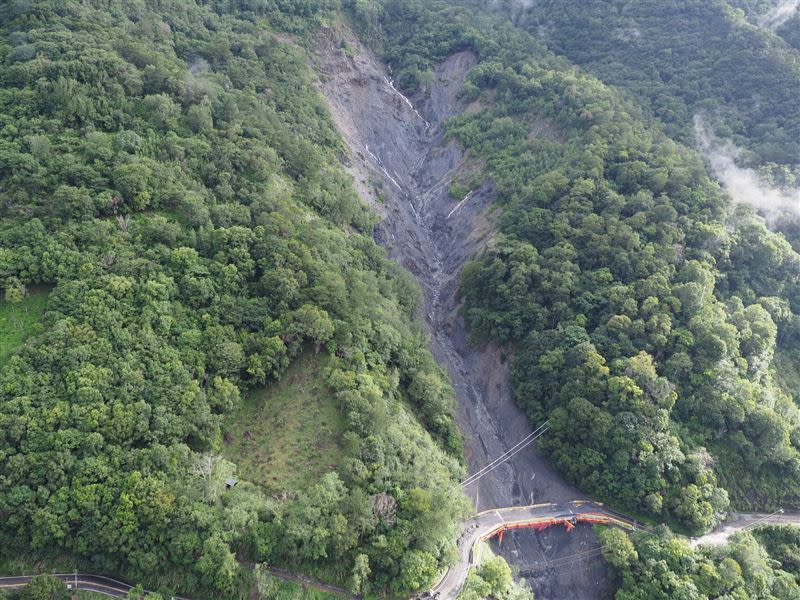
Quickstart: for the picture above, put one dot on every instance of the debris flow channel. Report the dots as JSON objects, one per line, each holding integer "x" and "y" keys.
{"x": 403, "y": 166}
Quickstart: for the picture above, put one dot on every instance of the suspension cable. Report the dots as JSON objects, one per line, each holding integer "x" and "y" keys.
{"x": 518, "y": 447}
{"x": 503, "y": 456}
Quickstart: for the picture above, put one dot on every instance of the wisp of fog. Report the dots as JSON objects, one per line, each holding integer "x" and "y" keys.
{"x": 779, "y": 15}
{"x": 743, "y": 184}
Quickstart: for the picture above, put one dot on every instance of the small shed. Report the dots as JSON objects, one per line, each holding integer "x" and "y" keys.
{"x": 229, "y": 483}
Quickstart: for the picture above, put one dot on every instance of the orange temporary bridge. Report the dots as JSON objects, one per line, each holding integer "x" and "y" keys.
{"x": 568, "y": 521}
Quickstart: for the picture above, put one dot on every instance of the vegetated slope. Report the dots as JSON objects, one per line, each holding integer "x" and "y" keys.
{"x": 720, "y": 61}
{"x": 287, "y": 435}
{"x": 790, "y": 31}
{"x": 762, "y": 563}
{"x": 643, "y": 315}
{"x": 679, "y": 58}
{"x": 781, "y": 16}
{"x": 171, "y": 170}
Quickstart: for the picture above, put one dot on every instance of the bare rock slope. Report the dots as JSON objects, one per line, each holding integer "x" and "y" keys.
{"x": 403, "y": 166}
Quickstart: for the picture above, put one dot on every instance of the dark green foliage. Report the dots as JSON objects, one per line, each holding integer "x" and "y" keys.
{"x": 683, "y": 57}
{"x": 790, "y": 31}
{"x": 171, "y": 170}
{"x": 783, "y": 545}
{"x": 751, "y": 565}
{"x": 643, "y": 314}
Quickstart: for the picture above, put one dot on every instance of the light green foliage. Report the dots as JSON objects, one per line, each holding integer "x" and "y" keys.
{"x": 763, "y": 564}
{"x": 20, "y": 317}
{"x": 360, "y": 577}
{"x": 285, "y": 436}
{"x": 171, "y": 170}
{"x": 492, "y": 579}
{"x": 269, "y": 587}
{"x": 417, "y": 570}
{"x": 618, "y": 549}
{"x": 44, "y": 587}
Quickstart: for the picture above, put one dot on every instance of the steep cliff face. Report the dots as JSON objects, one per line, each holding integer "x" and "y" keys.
{"x": 403, "y": 165}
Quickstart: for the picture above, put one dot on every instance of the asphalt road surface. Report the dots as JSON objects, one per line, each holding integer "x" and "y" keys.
{"x": 77, "y": 581}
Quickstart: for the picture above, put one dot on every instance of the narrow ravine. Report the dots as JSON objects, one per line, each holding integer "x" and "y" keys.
{"x": 403, "y": 166}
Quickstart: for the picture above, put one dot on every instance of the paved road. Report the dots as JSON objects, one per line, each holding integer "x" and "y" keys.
{"x": 79, "y": 581}
{"x": 738, "y": 521}
{"x": 489, "y": 523}
{"x": 119, "y": 589}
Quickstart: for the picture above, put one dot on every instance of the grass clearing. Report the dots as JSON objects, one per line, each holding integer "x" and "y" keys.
{"x": 20, "y": 321}
{"x": 288, "y": 434}
{"x": 272, "y": 588}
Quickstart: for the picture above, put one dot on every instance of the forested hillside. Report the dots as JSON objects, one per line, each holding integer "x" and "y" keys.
{"x": 681, "y": 58}
{"x": 643, "y": 312}
{"x": 764, "y": 563}
{"x": 781, "y": 16}
{"x": 169, "y": 171}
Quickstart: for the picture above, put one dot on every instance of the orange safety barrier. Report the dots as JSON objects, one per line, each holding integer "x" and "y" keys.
{"x": 568, "y": 522}
{"x": 538, "y": 525}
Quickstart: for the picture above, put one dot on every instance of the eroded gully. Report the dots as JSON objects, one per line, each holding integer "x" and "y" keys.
{"x": 403, "y": 167}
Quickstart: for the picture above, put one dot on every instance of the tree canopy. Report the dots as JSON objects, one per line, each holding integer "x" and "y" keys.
{"x": 171, "y": 171}
{"x": 762, "y": 564}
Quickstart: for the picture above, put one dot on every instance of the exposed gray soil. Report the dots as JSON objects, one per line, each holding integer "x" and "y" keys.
{"x": 403, "y": 166}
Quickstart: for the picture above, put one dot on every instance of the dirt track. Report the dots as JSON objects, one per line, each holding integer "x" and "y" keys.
{"x": 403, "y": 166}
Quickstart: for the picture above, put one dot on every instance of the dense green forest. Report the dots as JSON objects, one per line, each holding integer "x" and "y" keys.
{"x": 781, "y": 16}
{"x": 642, "y": 312}
{"x": 681, "y": 58}
{"x": 169, "y": 170}
{"x": 760, "y": 564}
